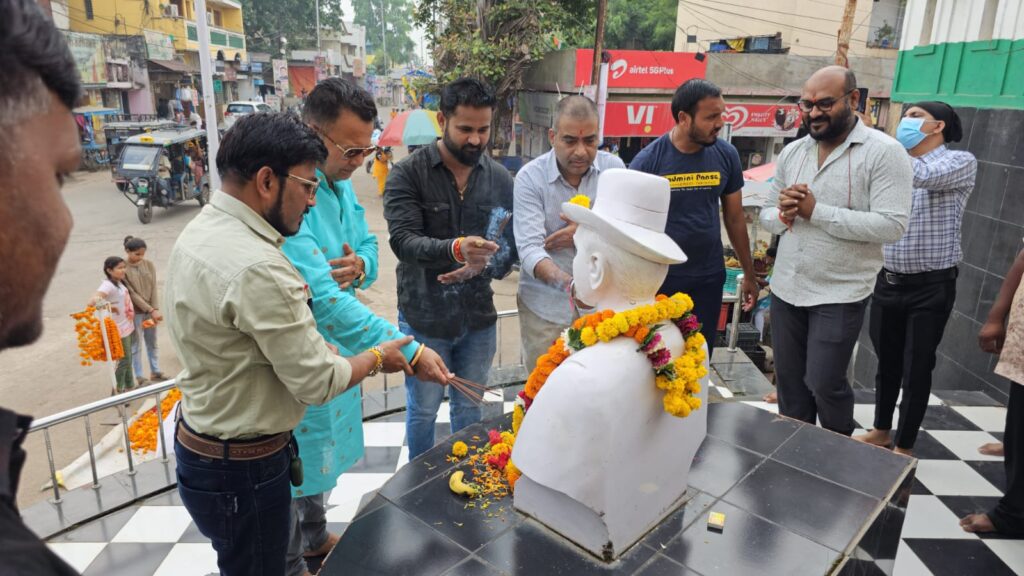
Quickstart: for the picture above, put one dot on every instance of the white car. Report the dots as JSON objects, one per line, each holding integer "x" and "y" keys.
{"x": 235, "y": 110}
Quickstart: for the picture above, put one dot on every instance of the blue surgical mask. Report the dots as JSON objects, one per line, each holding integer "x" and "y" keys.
{"x": 909, "y": 132}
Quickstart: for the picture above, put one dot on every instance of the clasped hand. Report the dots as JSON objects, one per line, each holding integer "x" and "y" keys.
{"x": 796, "y": 200}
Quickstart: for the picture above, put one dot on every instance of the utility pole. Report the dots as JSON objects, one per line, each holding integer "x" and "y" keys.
{"x": 845, "y": 31}
{"x": 209, "y": 98}
{"x": 602, "y": 7}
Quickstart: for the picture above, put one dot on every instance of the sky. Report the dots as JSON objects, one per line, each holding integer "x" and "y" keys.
{"x": 416, "y": 33}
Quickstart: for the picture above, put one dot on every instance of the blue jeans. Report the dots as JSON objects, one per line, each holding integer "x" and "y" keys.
{"x": 243, "y": 507}
{"x": 468, "y": 356}
{"x": 149, "y": 334}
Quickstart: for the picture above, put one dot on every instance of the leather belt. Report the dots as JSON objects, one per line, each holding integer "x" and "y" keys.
{"x": 897, "y": 279}
{"x": 232, "y": 449}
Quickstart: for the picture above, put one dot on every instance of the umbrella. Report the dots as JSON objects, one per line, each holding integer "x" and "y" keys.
{"x": 762, "y": 173}
{"x": 411, "y": 128}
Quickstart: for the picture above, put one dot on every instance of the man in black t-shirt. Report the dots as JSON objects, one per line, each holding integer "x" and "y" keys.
{"x": 702, "y": 171}
{"x": 38, "y": 87}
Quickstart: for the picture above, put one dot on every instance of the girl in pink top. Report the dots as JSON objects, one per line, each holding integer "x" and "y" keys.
{"x": 113, "y": 291}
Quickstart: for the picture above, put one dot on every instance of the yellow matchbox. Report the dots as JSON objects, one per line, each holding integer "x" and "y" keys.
{"x": 716, "y": 521}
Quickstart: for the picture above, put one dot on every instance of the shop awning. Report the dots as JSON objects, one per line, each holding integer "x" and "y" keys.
{"x": 174, "y": 66}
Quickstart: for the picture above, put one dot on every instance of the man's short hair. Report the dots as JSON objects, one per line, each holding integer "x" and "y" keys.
{"x": 324, "y": 104}
{"x": 576, "y": 107}
{"x": 34, "y": 59}
{"x": 466, "y": 92}
{"x": 275, "y": 139}
{"x": 689, "y": 95}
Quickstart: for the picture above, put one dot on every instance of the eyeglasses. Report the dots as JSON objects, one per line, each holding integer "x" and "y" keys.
{"x": 825, "y": 104}
{"x": 311, "y": 185}
{"x": 349, "y": 153}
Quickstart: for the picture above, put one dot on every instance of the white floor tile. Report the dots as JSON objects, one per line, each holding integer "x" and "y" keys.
{"x": 494, "y": 396}
{"x": 443, "y": 414}
{"x": 343, "y": 512}
{"x": 509, "y": 407}
{"x": 403, "y": 458}
{"x": 953, "y": 478}
{"x": 934, "y": 400}
{"x": 155, "y": 524}
{"x": 864, "y": 414}
{"x": 78, "y": 554}
{"x": 908, "y": 564}
{"x": 384, "y": 434}
{"x": 965, "y": 444}
{"x": 353, "y": 486}
{"x": 189, "y": 560}
{"x": 1011, "y": 552}
{"x": 773, "y": 408}
{"x": 990, "y": 418}
{"x": 725, "y": 392}
{"x": 928, "y": 517}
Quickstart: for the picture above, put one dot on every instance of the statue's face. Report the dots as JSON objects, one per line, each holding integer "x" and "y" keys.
{"x": 581, "y": 268}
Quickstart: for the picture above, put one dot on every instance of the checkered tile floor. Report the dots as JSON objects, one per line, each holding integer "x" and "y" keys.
{"x": 157, "y": 537}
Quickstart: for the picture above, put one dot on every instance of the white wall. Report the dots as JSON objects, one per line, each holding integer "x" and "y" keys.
{"x": 960, "y": 21}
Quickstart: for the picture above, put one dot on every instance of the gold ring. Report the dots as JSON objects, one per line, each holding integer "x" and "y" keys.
{"x": 478, "y": 243}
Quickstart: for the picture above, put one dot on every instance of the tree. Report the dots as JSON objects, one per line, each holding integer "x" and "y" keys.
{"x": 267, "y": 21}
{"x": 641, "y": 25}
{"x": 397, "y": 24}
{"x": 497, "y": 41}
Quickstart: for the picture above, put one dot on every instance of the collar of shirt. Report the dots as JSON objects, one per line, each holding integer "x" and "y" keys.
{"x": 934, "y": 155}
{"x": 553, "y": 173}
{"x": 328, "y": 185}
{"x": 858, "y": 135}
{"x": 237, "y": 209}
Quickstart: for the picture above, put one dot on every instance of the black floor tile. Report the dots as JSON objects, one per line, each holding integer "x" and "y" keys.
{"x": 926, "y": 447}
{"x": 530, "y": 548}
{"x": 807, "y": 505}
{"x": 376, "y": 459}
{"x": 679, "y": 520}
{"x": 748, "y": 546}
{"x": 169, "y": 498}
{"x": 945, "y": 418}
{"x": 128, "y": 559}
{"x": 993, "y": 471}
{"x": 428, "y": 465}
{"x": 193, "y": 535}
{"x": 946, "y": 557}
{"x": 964, "y": 505}
{"x": 719, "y": 465}
{"x": 474, "y": 566}
{"x": 863, "y": 396}
{"x": 102, "y": 529}
{"x": 664, "y": 566}
{"x": 389, "y": 541}
{"x": 436, "y": 505}
{"x": 869, "y": 469}
{"x": 370, "y": 502}
{"x": 882, "y": 539}
{"x": 511, "y": 392}
{"x": 749, "y": 427}
{"x": 966, "y": 398}
{"x": 859, "y": 567}
{"x": 919, "y": 489}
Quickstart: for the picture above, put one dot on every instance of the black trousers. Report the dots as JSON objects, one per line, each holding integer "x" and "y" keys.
{"x": 906, "y": 326}
{"x": 813, "y": 346}
{"x": 706, "y": 293}
{"x": 1008, "y": 515}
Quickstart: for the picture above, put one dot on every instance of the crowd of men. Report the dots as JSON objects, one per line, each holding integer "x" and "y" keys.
{"x": 261, "y": 293}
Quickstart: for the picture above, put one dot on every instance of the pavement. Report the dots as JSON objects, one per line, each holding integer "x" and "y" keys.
{"x": 46, "y": 377}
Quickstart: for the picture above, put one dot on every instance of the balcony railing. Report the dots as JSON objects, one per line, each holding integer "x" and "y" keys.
{"x": 219, "y": 37}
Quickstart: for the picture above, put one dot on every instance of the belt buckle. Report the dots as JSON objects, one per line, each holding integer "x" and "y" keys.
{"x": 891, "y": 278}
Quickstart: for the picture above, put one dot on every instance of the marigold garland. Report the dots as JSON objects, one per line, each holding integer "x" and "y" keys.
{"x": 90, "y": 337}
{"x": 144, "y": 431}
{"x": 580, "y": 200}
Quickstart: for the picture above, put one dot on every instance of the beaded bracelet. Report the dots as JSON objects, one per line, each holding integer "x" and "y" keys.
{"x": 379, "y": 353}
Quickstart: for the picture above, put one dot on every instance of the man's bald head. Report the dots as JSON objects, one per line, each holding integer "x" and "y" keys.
{"x": 837, "y": 76}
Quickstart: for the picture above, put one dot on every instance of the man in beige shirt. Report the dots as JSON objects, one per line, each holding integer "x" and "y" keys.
{"x": 253, "y": 360}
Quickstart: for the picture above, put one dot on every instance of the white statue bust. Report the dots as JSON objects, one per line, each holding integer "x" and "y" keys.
{"x": 602, "y": 462}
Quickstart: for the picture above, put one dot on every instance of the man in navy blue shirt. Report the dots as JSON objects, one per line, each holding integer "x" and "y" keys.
{"x": 701, "y": 170}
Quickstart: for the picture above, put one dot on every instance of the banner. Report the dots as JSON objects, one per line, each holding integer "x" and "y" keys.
{"x": 280, "y": 68}
{"x": 655, "y": 119}
{"x": 641, "y": 68}
{"x": 90, "y": 59}
{"x": 158, "y": 46}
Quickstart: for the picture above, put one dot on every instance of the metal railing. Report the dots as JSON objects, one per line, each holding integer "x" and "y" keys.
{"x": 119, "y": 402}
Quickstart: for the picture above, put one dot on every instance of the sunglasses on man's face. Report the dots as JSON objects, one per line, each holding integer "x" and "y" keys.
{"x": 350, "y": 153}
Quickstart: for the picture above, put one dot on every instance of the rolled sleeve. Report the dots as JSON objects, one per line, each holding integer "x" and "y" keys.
{"x": 529, "y": 221}
{"x": 953, "y": 172}
{"x": 403, "y": 210}
{"x": 285, "y": 332}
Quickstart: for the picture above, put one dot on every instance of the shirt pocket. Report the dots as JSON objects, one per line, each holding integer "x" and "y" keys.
{"x": 437, "y": 219}
{"x": 478, "y": 219}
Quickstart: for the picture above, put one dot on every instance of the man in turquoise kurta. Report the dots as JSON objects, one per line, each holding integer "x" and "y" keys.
{"x": 336, "y": 253}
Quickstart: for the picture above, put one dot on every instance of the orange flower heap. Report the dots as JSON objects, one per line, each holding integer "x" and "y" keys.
{"x": 144, "y": 431}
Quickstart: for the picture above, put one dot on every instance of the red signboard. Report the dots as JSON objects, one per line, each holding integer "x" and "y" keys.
{"x": 655, "y": 119}
{"x": 642, "y": 68}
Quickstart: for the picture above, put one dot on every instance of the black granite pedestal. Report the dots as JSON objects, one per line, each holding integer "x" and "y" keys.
{"x": 797, "y": 500}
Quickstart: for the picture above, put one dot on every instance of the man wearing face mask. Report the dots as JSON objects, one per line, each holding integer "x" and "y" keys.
{"x": 843, "y": 192}
{"x": 544, "y": 235}
{"x": 915, "y": 290}
{"x": 447, "y": 207}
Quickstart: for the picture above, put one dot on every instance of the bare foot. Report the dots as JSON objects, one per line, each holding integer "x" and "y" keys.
{"x": 977, "y": 523}
{"x": 332, "y": 540}
{"x": 876, "y": 437}
{"x": 991, "y": 449}
{"x": 904, "y": 451}
{"x": 771, "y": 397}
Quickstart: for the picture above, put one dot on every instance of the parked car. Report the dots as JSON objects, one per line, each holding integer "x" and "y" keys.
{"x": 235, "y": 110}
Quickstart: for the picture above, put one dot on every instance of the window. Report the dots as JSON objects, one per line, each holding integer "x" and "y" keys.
{"x": 88, "y": 9}
{"x": 988, "y": 20}
{"x": 240, "y": 108}
{"x": 218, "y": 19}
{"x": 928, "y": 23}
{"x": 139, "y": 157}
{"x": 265, "y": 108}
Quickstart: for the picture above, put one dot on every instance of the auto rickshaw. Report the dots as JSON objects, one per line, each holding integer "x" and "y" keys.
{"x": 164, "y": 168}
{"x": 118, "y": 131}
{"x": 90, "y": 120}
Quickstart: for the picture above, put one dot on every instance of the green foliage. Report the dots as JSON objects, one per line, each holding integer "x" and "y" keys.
{"x": 641, "y": 24}
{"x": 398, "y": 23}
{"x": 266, "y": 21}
